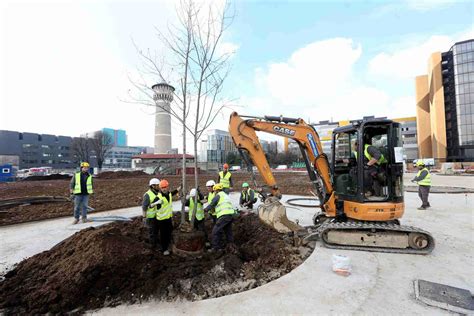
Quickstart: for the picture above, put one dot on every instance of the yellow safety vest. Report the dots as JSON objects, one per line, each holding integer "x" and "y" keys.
{"x": 427, "y": 180}
{"x": 77, "y": 185}
{"x": 224, "y": 206}
{"x": 166, "y": 210}
{"x": 225, "y": 180}
{"x": 199, "y": 210}
{"x": 151, "y": 211}
{"x": 368, "y": 156}
{"x": 246, "y": 194}
{"x": 210, "y": 197}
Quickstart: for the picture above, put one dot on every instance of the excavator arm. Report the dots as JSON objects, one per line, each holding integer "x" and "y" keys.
{"x": 243, "y": 131}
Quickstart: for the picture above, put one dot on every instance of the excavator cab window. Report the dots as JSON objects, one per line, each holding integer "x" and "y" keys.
{"x": 345, "y": 165}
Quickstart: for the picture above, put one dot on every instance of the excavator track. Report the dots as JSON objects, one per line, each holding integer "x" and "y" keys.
{"x": 376, "y": 237}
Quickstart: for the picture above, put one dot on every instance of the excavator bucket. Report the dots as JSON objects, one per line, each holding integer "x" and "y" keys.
{"x": 273, "y": 213}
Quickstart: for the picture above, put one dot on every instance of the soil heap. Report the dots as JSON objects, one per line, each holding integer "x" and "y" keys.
{"x": 106, "y": 266}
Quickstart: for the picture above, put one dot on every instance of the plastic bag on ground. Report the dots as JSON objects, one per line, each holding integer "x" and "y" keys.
{"x": 341, "y": 265}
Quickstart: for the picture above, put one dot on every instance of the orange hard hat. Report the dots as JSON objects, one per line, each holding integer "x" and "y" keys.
{"x": 164, "y": 184}
{"x": 226, "y": 166}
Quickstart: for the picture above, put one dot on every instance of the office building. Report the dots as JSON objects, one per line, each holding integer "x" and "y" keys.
{"x": 216, "y": 147}
{"x": 118, "y": 137}
{"x": 445, "y": 105}
{"x": 35, "y": 150}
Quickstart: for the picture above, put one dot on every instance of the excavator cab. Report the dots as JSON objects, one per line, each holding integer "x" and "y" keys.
{"x": 353, "y": 147}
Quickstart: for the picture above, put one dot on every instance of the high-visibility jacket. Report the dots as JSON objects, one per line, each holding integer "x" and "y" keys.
{"x": 247, "y": 194}
{"x": 225, "y": 180}
{"x": 368, "y": 156}
{"x": 166, "y": 210}
{"x": 224, "y": 206}
{"x": 199, "y": 210}
{"x": 77, "y": 185}
{"x": 151, "y": 211}
{"x": 209, "y": 200}
{"x": 427, "y": 180}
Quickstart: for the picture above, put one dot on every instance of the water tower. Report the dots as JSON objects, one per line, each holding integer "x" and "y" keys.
{"x": 163, "y": 97}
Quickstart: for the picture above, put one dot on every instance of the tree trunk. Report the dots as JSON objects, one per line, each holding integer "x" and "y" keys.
{"x": 196, "y": 182}
{"x": 183, "y": 178}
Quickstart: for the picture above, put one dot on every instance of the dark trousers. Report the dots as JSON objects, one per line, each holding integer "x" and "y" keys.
{"x": 152, "y": 224}
{"x": 214, "y": 218}
{"x": 165, "y": 227}
{"x": 222, "y": 226}
{"x": 423, "y": 193}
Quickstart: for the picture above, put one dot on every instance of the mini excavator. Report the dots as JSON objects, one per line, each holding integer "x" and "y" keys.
{"x": 360, "y": 209}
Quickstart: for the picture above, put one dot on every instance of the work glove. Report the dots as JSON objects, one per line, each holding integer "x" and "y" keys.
{"x": 156, "y": 199}
{"x": 156, "y": 203}
{"x": 178, "y": 188}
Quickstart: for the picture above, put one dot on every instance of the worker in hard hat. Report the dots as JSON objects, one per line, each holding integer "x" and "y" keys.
{"x": 247, "y": 196}
{"x": 210, "y": 195}
{"x": 81, "y": 187}
{"x": 164, "y": 214}
{"x": 225, "y": 178}
{"x": 423, "y": 179}
{"x": 150, "y": 200}
{"x": 196, "y": 195}
{"x": 224, "y": 214}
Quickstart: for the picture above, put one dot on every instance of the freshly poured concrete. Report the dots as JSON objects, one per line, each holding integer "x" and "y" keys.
{"x": 379, "y": 283}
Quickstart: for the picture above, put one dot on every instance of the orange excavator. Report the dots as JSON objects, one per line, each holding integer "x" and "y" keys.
{"x": 360, "y": 204}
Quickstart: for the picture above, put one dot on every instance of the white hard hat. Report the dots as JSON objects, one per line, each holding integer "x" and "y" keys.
{"x": 210, "y": 183}
{"x": 192, "y": 193}
{"x": 154, "y": 181}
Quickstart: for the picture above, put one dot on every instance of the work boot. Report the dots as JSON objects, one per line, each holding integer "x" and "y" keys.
{"x": 85, "y": 220}
{"x": 76, "y": 220}
{"x": 422, "y": 207}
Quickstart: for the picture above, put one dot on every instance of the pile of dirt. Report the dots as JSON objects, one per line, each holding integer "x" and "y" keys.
{"x": 121, "y": 174}
{"x": 106, "y": 266}
{"x": 55, "y": 176}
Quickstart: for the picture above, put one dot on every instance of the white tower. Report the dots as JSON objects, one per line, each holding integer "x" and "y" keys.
{"x": 163, "y": 97}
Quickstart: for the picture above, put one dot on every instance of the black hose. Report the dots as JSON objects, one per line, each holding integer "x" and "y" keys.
{"x": 291, "y": 202}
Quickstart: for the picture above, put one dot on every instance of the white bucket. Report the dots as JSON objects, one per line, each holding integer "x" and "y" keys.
{"x": 341, "y": 265}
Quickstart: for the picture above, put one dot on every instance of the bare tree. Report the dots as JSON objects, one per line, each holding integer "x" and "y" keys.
{"x": 81, "y": 148}
{"x": 210, "y": 68}
{"x": 101, "y": 144}
{"x": 196, "y": 63}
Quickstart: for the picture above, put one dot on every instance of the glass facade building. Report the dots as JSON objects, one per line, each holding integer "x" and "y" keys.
{"x": 457, "y": 68}
{"x": 216, "y": 147}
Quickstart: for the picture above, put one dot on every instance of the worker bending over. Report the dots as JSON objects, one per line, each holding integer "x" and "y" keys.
{"x": 210, "y": 195}
{"x": 247, "y": 197}
{"x": 423, "y": 179}
{"x": 199, "y": 220}
{"x": 224, "y": 214}
{"x": 150, "y": 201}
{"x": 225, "y": 178}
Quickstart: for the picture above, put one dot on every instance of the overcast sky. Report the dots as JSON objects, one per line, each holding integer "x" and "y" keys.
{"x": 64, "y": 65}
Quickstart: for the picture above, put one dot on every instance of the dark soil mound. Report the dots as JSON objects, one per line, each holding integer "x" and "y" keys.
{"x": 121, "y": 174}
{"x": 55, "y": 176}
{"x": 111, "y": 264}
